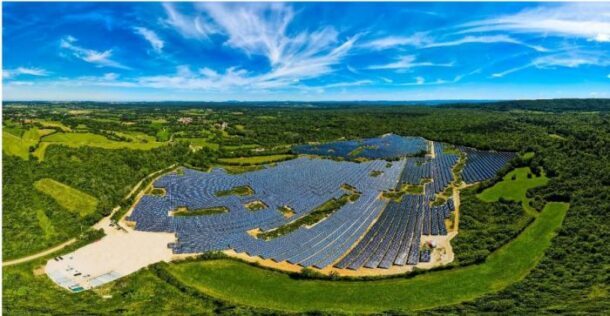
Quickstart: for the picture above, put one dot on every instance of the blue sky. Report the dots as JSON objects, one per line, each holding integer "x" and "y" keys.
{"x": 305, "y": 51}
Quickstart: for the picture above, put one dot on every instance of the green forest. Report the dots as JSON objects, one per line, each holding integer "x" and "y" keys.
{"x": 566, "y": 141}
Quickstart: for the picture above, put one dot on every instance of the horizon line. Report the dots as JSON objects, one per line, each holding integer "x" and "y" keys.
{"x": 316, "y": 101}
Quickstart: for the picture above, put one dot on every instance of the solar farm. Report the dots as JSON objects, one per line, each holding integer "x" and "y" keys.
{"x": 396, "y": 212}
{"x": 370, "y": 232}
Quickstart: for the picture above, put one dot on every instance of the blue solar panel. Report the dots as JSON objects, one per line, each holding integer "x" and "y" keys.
{"x": 483, "y": 165}
{"x": 384, "y": 147}
{"x": 303, "y": 184}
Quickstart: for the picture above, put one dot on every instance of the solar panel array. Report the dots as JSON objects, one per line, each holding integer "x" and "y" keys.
{"x": 396, "y": 236}
{"x": 384, "y": 147}
{"x": 303, "y": 184}
{"x": 483, "y": 165}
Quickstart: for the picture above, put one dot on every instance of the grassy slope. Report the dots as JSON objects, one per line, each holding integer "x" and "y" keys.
{"x": 69, "y": 198}
{"x": 240, "y": 283}
{"x": 20, "y": 146}
{"x": 255, "y": 159}
{"x": 92, "y": 140}
{"x": 514, "y": 190}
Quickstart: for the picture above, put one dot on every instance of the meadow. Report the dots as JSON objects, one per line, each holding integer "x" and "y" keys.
{"x": 69, "y": 198}
{"x": 514, "y": 186}
{"x": 91, "y": 140}
{"x": 21, "y": 145}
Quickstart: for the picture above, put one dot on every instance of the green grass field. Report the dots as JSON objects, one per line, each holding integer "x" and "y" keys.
{"x": 255, "y": 159}
{"x": 69, "y": 198}
{"x": 244, "y": 284}
{"x": 94, "y": 140}
{"x": 514, "y": 190}
{"x": 20, "y": 146}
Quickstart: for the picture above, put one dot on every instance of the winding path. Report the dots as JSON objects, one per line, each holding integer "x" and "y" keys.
{"x": 38, "y": 255}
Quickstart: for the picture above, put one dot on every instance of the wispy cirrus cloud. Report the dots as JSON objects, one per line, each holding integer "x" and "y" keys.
{"x": 387, "y": 42}
{"x": 262, "y": 29}
{"x": 203, "y": 79}
{"x": 489, "y": 39}
{"x": 344, "y": 84}
{"x": 153, "y": 39}
{"x": 568, "y": 59}
{"x": 11, "y": 73}
{"x": 189, "y": 26}
{"x": 408, "y": 62}
{"x": 98, "y": 58}
{"x": 423, "y": 40}
{"x": 589, "y": 21}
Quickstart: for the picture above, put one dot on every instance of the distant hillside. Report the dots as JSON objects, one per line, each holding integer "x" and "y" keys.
{"x": 554, "y": 105}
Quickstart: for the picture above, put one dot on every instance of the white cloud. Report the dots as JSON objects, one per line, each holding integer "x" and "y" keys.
{"x": 422, "y": 40}
{"x": 420, "y": 81}
{"x": 572, "y": 60}
{"x": 11, "y": 73}
{"x": 106, "y": 80}
{"x": 590, "y": 21}
{"x": 569, "y": 59}
{"x": 255, "y": 29}
{"x": 408, "y": 62}
{"x": 262, "y": 29}
{"x": 346, "y": 84}
{"x": 152, "y": 38}
{"x": 204, "y": 79}
{"x": 510, "y": 71}
{"x": 417, "y": 40}
{"x": 195, "y": 27}
{"x": 101, "y": 59}
{"x": 490, "y": 39}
